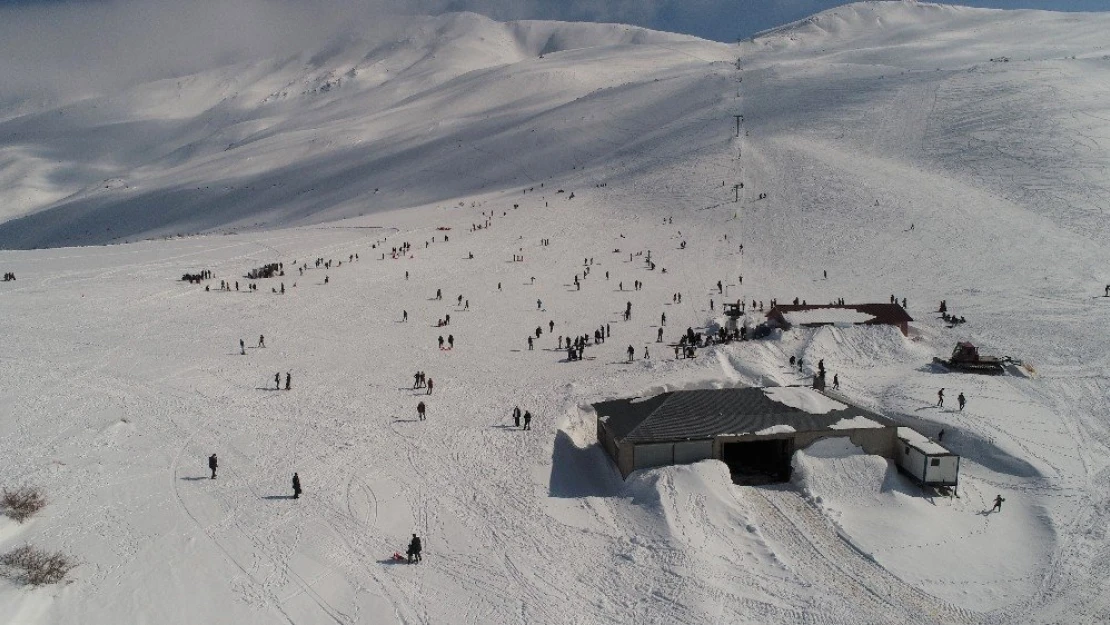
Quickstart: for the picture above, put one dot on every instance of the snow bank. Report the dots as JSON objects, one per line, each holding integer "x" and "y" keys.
{"x": 836, "y": 316}
{"x": 856, "y": 422}
{"x": 935, "y": 543}
{"x": 804, "y": 399}
{"x": 777, "y": 429}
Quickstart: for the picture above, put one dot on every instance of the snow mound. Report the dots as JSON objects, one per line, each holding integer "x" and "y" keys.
{"x": 804, "y": 399}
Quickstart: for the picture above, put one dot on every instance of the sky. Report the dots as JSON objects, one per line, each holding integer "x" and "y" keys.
{"x": 48, "y": 46}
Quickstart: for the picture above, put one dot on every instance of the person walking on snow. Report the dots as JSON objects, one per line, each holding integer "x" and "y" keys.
{"x": 997, "y": 504}
{"x": 261, "y": 340}
{"x": 420, "y": 408}
{"x": 527, "y": 420}
{"x": 404, "y": 316}
{"x": 277, "y": 380}
{"x": 296, "y": 486}
{"x": 431, "y": 383}
{"x": 940, "y": 398}
{"x": 961, "y": 400}
{"x": 212, "y": 465}
{"x": 414, "y": 549}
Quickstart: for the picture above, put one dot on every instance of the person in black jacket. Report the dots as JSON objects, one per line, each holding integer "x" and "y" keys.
{"x": 212, "y": 465}
{"x": 527, "y": 420}
{"x": 296, "y": 486}
{"x": 414, "y": 549}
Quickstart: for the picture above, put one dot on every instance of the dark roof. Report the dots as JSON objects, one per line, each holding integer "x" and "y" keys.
{"x": 883, "y": 314}
{"x": 702, "y": 414}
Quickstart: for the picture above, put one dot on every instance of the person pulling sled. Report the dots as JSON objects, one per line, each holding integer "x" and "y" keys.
{"x": 414, "y": 549}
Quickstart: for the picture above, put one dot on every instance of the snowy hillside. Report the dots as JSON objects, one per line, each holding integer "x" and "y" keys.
{"x": 355, "y": 127}
{"x": 880, "y": 143}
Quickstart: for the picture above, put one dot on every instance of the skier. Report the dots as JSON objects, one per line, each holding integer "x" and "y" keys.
{"x": 997, "y": 503}
{"x": 961, "y": 400}
{"x": 242, "y": 347}
{"x": 261, "y": 341}
{"x": 288, "y": 380}
{"x": 212, "y": 465}
{"x": 940, "y": 398}
{"x": 414, "y": 549}
{"x": 527, "y": 420}
{"x": 296, "y": 486}
{"x": 420, "y": 408}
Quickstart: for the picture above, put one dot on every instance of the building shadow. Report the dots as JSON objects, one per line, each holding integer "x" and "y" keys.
{"x": 581, "y": 472}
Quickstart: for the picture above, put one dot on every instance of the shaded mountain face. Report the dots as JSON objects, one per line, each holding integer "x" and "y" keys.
{"x": 445, "y": 107}
{"x": 441, "y": 109}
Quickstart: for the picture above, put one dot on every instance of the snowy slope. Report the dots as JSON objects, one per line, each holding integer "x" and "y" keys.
{"x": 357, "y": 126}
{"x": 120, "y": 380}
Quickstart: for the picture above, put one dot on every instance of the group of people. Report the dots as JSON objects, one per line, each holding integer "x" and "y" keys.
{"x": 961, "y": 400}
{"x": 526, "y": 416}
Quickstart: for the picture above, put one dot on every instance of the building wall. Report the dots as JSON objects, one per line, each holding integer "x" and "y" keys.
{"x": 875, "y": 441}
{"x": 946, "y": 472}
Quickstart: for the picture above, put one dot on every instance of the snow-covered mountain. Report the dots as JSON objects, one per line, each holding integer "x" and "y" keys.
{"x": 429, "y": 114}
{"x": 905, "y": 149}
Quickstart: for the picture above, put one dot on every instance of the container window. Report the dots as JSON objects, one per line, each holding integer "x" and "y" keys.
{"x": 935, "y": 462}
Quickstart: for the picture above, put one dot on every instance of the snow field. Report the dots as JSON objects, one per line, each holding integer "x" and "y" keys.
{"x": 120, "y": 380}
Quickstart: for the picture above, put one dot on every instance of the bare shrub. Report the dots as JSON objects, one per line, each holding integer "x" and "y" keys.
{"x": 22, "y": 503}
{"x": 34, "y": 566}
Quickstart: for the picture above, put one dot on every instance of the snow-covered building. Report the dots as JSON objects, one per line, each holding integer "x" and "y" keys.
{"x": 926, "y": 461}
{"x": 788, "y": 315}
{"x": 755, "y": 431}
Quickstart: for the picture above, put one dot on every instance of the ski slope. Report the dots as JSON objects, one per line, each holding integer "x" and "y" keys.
{"x": 895, "y": 155}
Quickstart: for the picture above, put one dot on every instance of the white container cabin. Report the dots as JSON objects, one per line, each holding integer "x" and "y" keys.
{"x": 927, "y": 462}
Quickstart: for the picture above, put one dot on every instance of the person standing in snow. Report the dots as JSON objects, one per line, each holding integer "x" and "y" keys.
{"x": 431, "y": 384}
{"x": 527, "y": 420}
{"x": 450, "y": 341}
{"x": 631, "y": 353}
{"x": 659, "y": 336}
{"x": 961, "y": 400}
{"x": 212, "y": 465}
{"x": 288, "y": 380}
{"x": 261, "y": 340}
{"x": 940, "y": 398}
{"x": 404, "y": 316}
{"x": 997, "y": 504}
{"x": 277, "y": 380}
{"x": 414, "y": 549}
{"x": 420, "y": 408}
{"x": 663, "y": 319}
{"x": 516, "y": 416}
{"x": 529, "y": 343}
{"x": 441, "y": 342}
{"x": 836, "y": 382}
{"x": 296, "y": 486}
